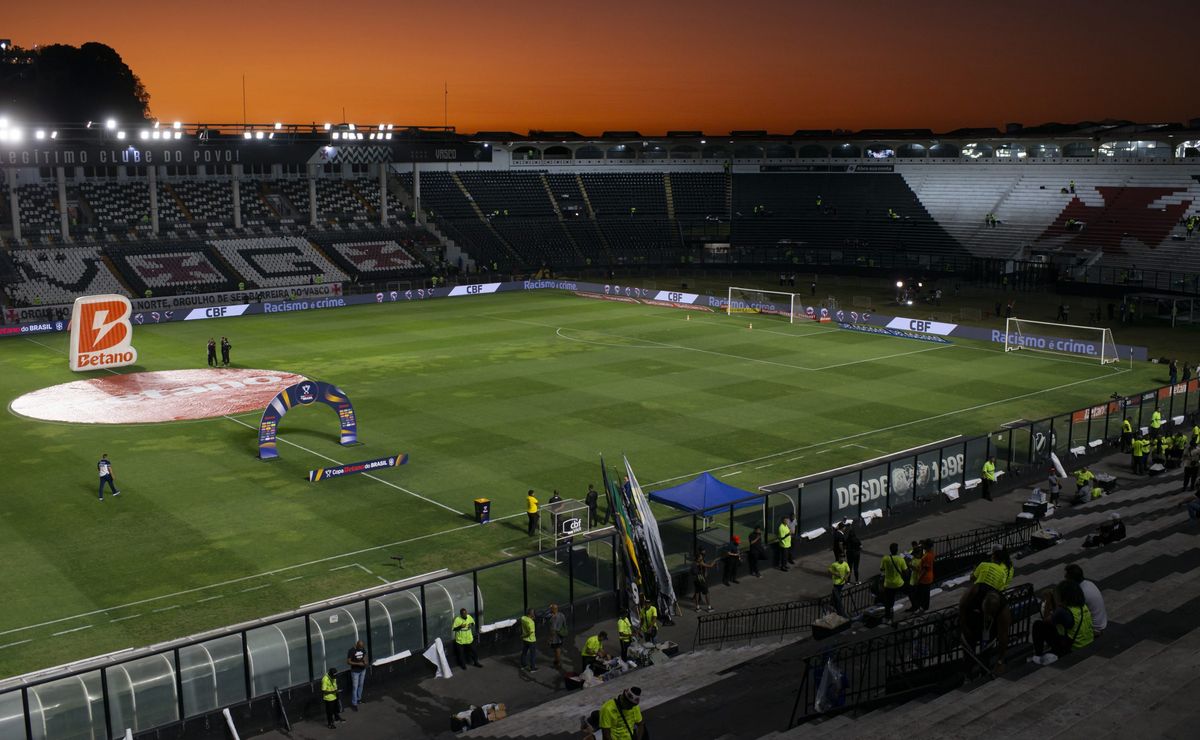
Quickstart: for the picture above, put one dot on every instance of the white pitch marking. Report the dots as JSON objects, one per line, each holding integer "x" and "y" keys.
{"x": 822, "y": 452}
{"x": 730, "y": 475}
{"x": 760, "y": 467}
{"x": 365, "y": 475}
{"x": 14, "y": 644}
{"x": 165, "y": 608}
{"x": 210, "y": 598}
{"x": 77, "y": 629}
{"x": 383, "y": 579}
{"x": 293, "y": 578}
{"x": 122, "y": 619}
{"x": 794, "y": 459}
{"x": 254, "y": 588}
{"x": 343, "y": 567}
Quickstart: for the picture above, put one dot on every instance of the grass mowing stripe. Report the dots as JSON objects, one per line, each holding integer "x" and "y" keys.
{"x": 893, "y": 427}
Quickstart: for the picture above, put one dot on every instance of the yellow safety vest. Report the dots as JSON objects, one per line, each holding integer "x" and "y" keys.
{"x": 1156, "y": 420}
{"x": 989, "y": 471}
{"x": 464, "y": 636}
{"x": 624, "y": 629}
{"x": 328, "y": 688}
{"x": 785, "y": 536}
{"x": 650, "y": 617}
{"x": 592, "y": 646}
{"x": 1126, "y": 427}
{"x": 1081, "y": 627}
{"x": 840, "y": 572}
{"x": 528, "y": 630}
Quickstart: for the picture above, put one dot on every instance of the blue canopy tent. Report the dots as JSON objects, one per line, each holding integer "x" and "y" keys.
{"x": 704, "y": 494}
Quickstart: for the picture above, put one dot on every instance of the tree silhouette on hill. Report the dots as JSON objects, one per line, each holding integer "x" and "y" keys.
{"x": 68, "y": 84}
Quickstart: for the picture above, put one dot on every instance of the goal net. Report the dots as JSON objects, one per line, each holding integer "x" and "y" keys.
{"x": 764, "y": 302}
{"x": 1072, "y": 340}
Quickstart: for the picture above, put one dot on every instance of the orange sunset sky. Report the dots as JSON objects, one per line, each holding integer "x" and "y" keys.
{"x": 649, "y": 66}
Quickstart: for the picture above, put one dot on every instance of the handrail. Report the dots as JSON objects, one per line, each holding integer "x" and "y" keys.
{"x": 963, "y": 551}
{"x": 915, "y": 657}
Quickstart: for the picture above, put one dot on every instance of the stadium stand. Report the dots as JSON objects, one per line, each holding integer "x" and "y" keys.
{"x": 774, "y": 212}
{"x": 206, "y": 201}
{"x": 123, "y": 205}
{"x": 373, "y": 259}
{"x": 698, "y": 194}
{"x": 38, "y": 208}
{"x": 268, "y": 262}
{"x": 174, "y": 268}
{"x": 59, "y": 275}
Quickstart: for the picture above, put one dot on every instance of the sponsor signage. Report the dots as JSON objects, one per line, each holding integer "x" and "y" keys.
{"x": 365, "y": 466}
{"x": 101, "y": 333}
{"x": 147, "y": 307}
{"x": 216, "y": 312}
{"x": 898, "y": 333}
{"x": 924, "y": 326}
{"x": 570, "y": 526}
{"x": 826, "y": 168}
{"x": 481, "y": 289}
{"x": 305, "y": 393}
{"x": 675, "y": 297}
{"x": 903, "y": 481}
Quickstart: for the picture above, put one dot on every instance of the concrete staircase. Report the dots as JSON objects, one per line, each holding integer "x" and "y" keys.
{"x": 660, "y": 683}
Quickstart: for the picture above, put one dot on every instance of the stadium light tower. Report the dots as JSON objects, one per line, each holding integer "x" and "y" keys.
{"x": 110, "y": 124}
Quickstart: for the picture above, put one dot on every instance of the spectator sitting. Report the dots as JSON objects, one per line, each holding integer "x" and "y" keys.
{"x": 1111, "y": 531}
{"x": 1091, "y": 597}
{"x": 1066, "y": 624}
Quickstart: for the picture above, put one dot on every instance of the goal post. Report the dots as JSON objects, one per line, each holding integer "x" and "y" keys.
{"x": 1071, "y": 340}
{"x": 765, "y": 302}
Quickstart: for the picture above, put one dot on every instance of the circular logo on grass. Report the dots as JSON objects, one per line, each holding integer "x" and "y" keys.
{"x": 169, "y": 395}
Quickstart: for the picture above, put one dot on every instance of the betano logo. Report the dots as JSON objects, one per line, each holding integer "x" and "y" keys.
{"x": 101, "y": 335}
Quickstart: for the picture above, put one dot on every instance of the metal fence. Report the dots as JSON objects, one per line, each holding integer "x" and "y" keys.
{"x": 956, "y": 554}
{"x": 1022, "y": 450}
{"x": 925, "y": 653}
{"x": 162, "y": 686}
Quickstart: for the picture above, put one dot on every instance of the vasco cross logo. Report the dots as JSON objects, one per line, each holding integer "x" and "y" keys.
{"x": 101, "y": 333}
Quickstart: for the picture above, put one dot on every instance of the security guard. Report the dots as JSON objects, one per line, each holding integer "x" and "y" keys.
{"x": 593, "y": 650}
{"x": 529, "y": 638}
{"x": 531, "y": 509}
{"x": 1083, "y": 478}
{"x": 624, "y": 635}
{"x": 464, "y": 639}
{"x": 329, "y": 692}
{"x": 1140, "y": 448}
{"x": 649, "y": 621}
{"x": 989, "y": 477}
{"x": 839, "y": 572}
{"x": 1155, "y": 422}
{"x": 783, "y": 554}
{"x": 1126, "y": 435}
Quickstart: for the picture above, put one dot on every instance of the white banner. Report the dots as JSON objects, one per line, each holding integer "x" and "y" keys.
{"x": 474, "y": 289}
{"x": 672, "y": 296}
{"x": 921, "y": 325}
{"x": 216, "y": 312}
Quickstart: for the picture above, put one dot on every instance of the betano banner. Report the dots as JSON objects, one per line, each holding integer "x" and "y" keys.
{"x": 101, "y": 335}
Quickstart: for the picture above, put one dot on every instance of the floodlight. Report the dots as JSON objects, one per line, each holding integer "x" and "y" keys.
{"x": 389, "y": 136}
{"x": 335, "y": 135}
{"x": 53, "y": 134}
{"x": 120, "y": 134}
{"x": 390, "y": 127}
{"x": 3, "y": 121}
{"x": 40, "y": 134}
{"x": 278, "y": 125}
{"x": 143, "y": 134}
{"x": 156, "y": 124}
{"x": 258, "y": 134}
{"x": 381, "y": 127}
{"x": 352, "y": 127}
{"x": 178, "y": 134}
{"x": 177, "y": 125}
{"x": 15, "y": 134}
{"x": 156, "y": 135}
{"x": 245, "y": 134}
{"x": 272, "y": 135}
{"x": 899, "y": 283}
{"x": 328, "y": 126}
{"x": 110, "y": 124}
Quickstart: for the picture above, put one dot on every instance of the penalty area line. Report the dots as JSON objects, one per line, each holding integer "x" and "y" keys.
{"x": 365, "y": 475}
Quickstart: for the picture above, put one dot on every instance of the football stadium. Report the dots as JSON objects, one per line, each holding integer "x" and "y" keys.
{"x": 599, "y": 372}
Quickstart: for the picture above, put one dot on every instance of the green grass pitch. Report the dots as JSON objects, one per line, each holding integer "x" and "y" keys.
{"x": 490, "y": 396}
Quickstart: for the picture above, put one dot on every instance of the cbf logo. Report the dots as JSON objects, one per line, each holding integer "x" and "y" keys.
{"x": 101, "y": 333}
{"x": 306, "y": 393}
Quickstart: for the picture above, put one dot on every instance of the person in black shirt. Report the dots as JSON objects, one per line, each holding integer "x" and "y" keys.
{"x": 591, "y": 498}
{"x": 212, "y": 352}
{"x": 853, "y": 551}
{"x": 225, "y": 347}
{"x": 357, "y": 660}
